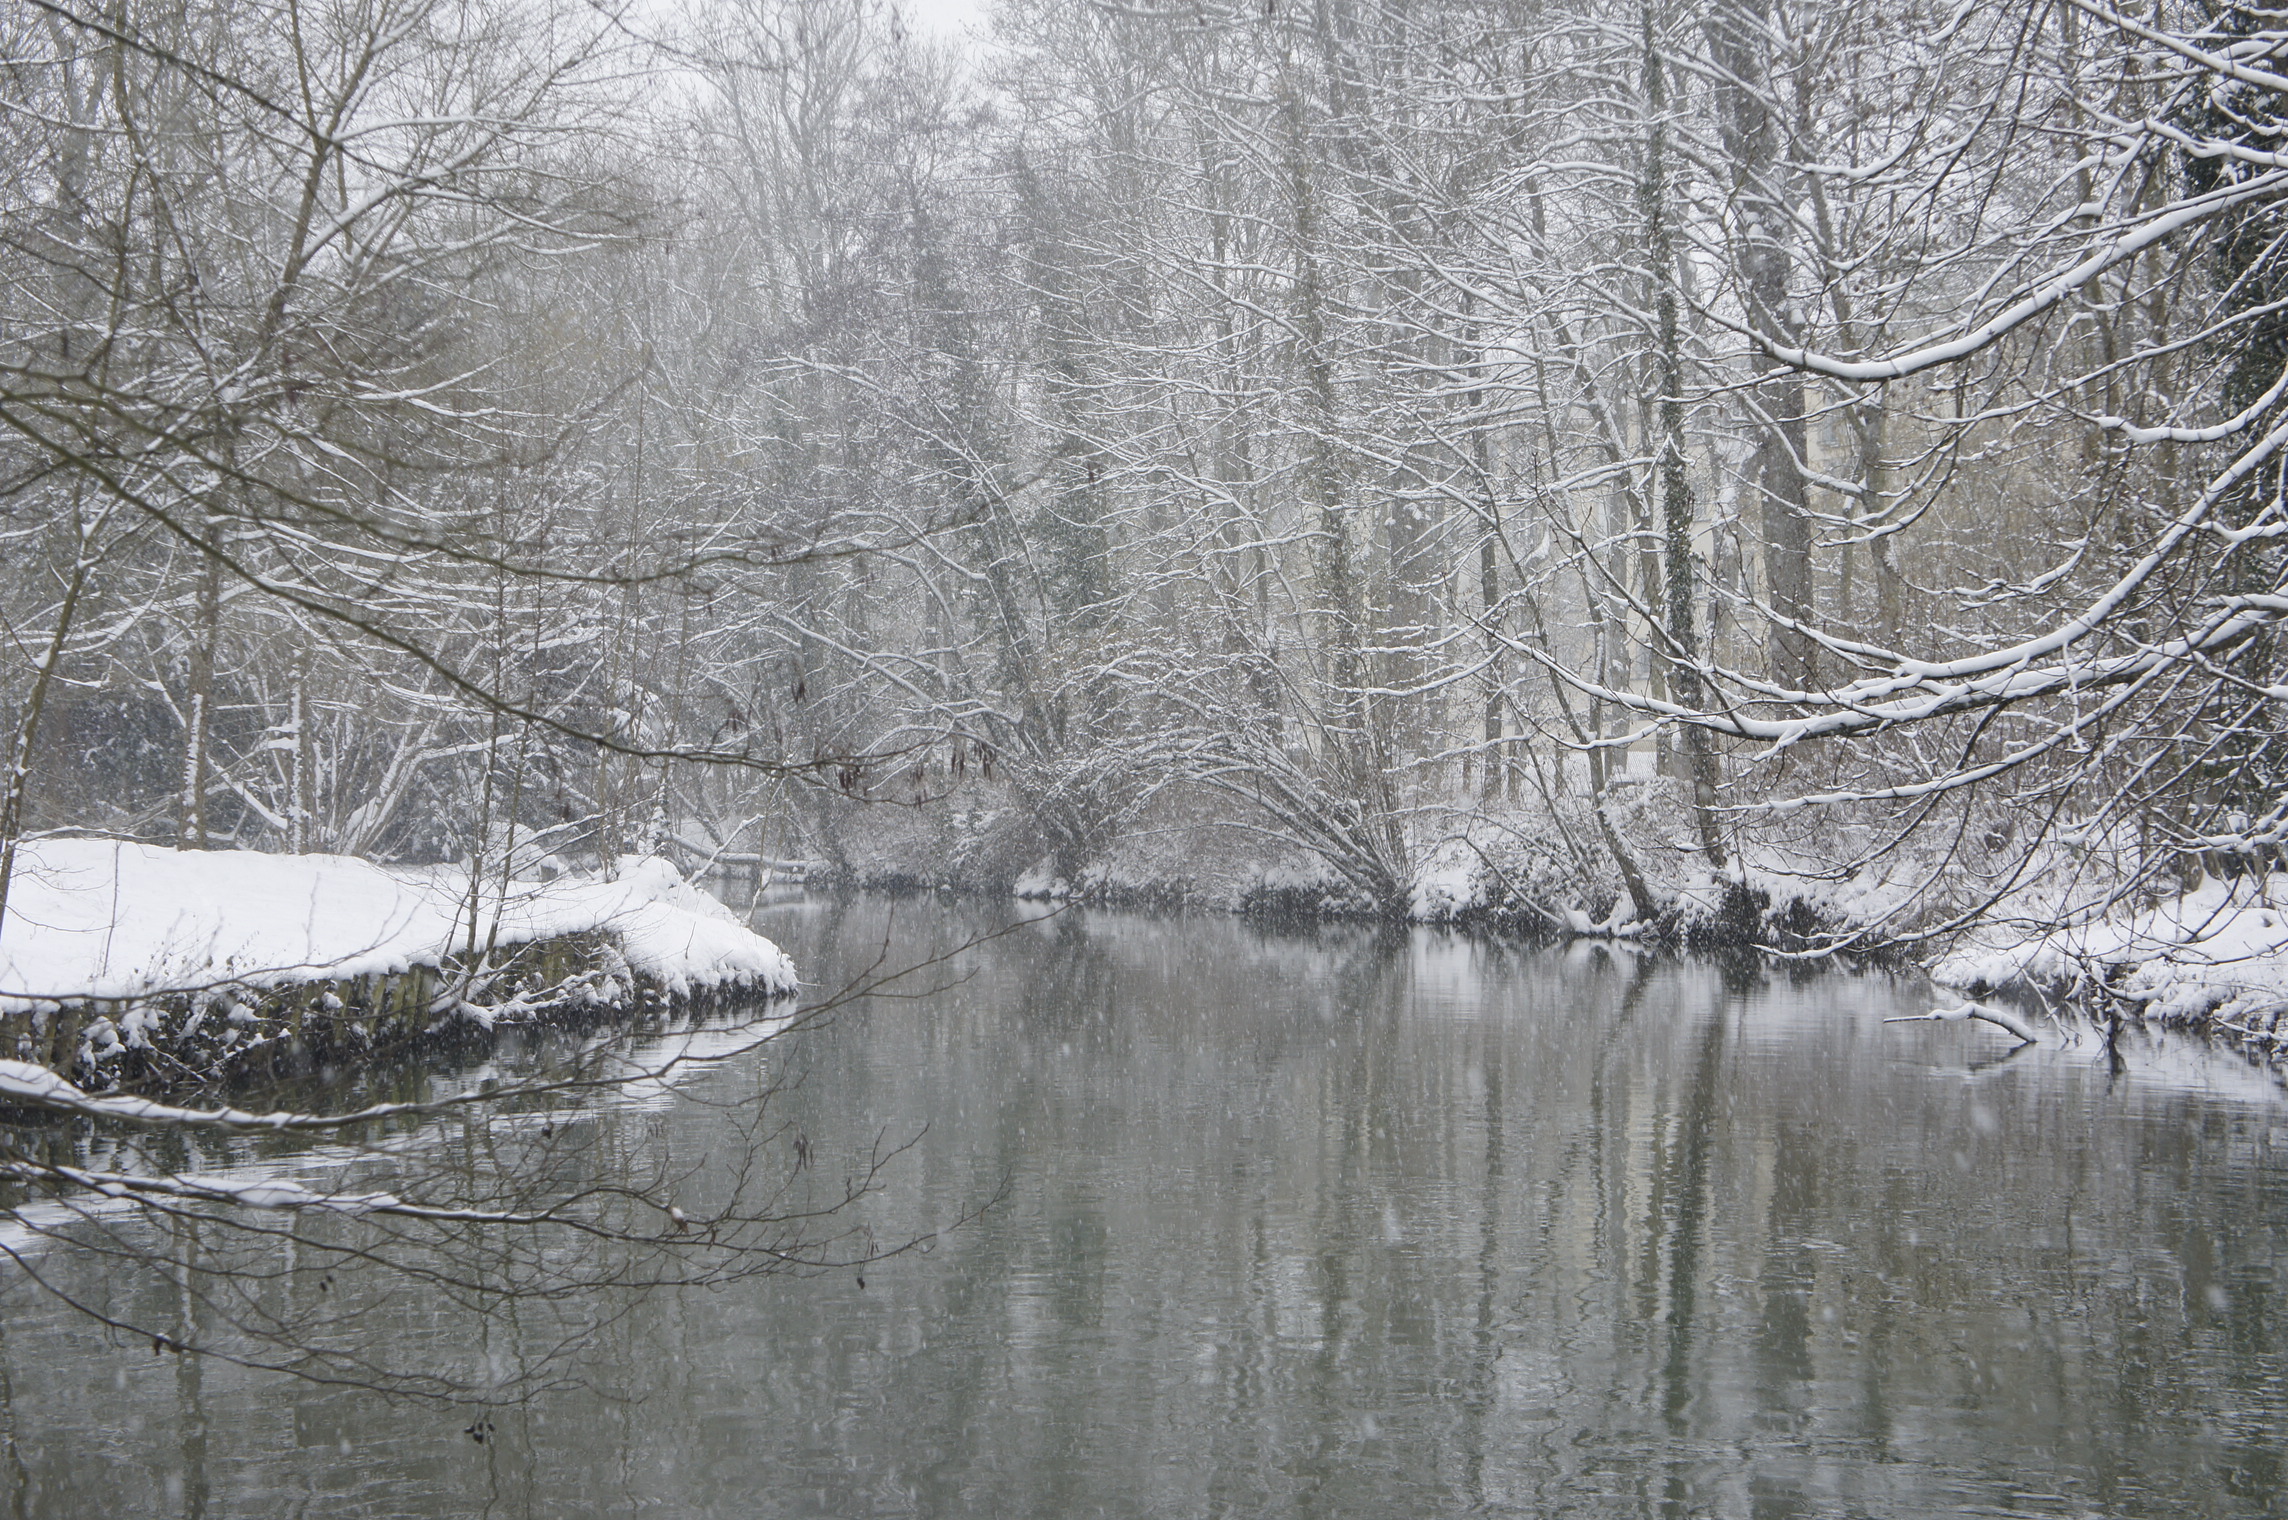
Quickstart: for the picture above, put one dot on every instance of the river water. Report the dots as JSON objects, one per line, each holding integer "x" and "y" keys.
{"x": 1343, "y": 1222}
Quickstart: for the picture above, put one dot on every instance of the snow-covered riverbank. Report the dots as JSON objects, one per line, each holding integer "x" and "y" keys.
{"x": 2214, "y": 958}
{"x": 230, "y": 948}
{"x": 2076, "y": 925}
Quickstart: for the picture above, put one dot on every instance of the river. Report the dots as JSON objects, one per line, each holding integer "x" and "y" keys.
{"x": 1344, "y": 1221}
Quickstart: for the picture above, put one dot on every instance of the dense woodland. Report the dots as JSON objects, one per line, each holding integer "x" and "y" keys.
{"x": 1612, "y": 444}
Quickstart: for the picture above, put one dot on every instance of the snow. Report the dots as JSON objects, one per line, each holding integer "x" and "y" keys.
{"x": 2000, "y": 1017}
{"x": 1450, "y": 883}
{"x": 102, "y": 919}
{"x": 36, "y": 1087}
{"x": 25, "y": 1084}
{"x": 1041, "y": 883}
{"x": 2216, "y": 955}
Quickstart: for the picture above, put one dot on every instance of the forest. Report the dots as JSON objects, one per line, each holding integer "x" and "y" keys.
{"x": 1269, "y": 598}
{"x": 1787, "y": 473}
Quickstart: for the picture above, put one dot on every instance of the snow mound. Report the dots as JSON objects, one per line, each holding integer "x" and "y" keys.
{"x": 102, "y": 919}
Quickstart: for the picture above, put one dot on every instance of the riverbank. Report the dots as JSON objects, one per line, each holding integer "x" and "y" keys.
{"x": 1560, "y": 867}
{"x": 126, "y": 964}
{"x": 2214, "y": 959}
{"x": 2073, "y": 924}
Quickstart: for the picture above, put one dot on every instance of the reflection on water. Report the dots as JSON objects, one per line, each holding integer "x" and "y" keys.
{"x": 1357, "y": 1223}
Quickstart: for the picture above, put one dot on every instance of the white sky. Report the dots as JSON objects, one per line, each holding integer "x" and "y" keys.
{"x": 947, "y": 18}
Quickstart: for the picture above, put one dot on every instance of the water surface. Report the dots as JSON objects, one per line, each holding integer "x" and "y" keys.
{"x": 1346, "y": 1222}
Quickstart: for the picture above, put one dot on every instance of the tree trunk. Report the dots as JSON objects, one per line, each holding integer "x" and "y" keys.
{"x": 1682, "y": 640}
{"x": 198, "y": 700}
{"x": 1739, "y": 36}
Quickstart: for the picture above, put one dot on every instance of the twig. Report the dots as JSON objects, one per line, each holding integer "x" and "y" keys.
{"x": 2001, "y": 1018}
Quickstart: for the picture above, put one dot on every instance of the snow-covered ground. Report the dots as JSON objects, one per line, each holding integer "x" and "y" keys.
{"x": 2216, "y": 956}
{"x": 101, "y": 919}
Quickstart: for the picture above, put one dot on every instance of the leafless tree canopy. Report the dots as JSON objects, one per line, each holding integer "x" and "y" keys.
{"x": 429, "y": 420}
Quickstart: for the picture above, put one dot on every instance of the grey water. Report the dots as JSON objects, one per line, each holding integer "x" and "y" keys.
{"x": 1341, "y": 1221}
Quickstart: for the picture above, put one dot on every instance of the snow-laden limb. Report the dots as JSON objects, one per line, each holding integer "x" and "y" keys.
{"x": 273, "y": 1193}
{"x": 2036, "y": 302}
{"x": 25, "y": 1085}
{"x": 1999, "y": 1017}
{"x": 1921, "y": 691}
{"x": 103, "y": 920}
